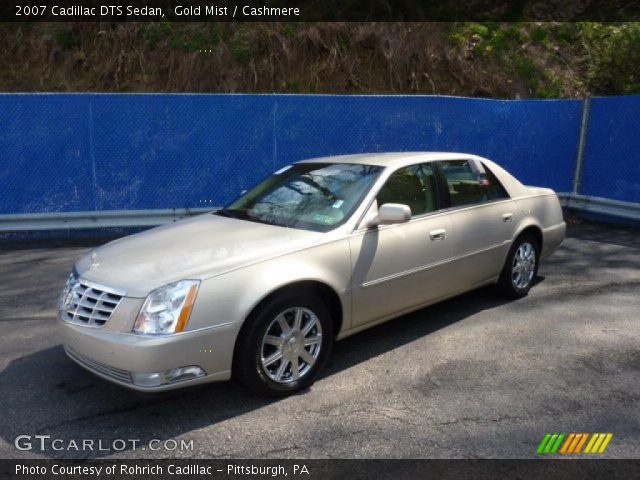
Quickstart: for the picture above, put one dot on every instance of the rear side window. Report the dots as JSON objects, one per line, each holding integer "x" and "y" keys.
{"x": 467, "y": 188}
{"x": 495, "y": 190}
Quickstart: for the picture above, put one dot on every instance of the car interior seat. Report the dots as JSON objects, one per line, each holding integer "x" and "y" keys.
{"x": 405, "y": 189}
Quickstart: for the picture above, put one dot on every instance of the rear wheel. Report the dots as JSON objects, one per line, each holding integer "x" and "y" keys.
{"x": 284, "y": 345}
{"x": 521, "y": 267}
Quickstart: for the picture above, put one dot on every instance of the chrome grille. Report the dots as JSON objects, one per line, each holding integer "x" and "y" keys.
{"x": 89, "y": 304}
{"x": 111, "y": 372}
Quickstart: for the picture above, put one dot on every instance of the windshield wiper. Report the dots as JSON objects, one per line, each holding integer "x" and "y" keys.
{"x": 225, "y": 212}
{"x": 240, "y": 215}
{"x": 324, "y": 190}
{"x": 244, "y": 215}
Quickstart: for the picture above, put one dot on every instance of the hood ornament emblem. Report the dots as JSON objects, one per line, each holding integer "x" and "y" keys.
{"x": 94, "y": 260}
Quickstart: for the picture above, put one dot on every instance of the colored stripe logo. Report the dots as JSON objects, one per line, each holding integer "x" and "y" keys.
{"x": 573, "y": 443}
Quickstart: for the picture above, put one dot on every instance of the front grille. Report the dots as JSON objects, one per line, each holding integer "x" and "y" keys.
{"x": 90, "y": 304}
{"x": 111, "y": 372}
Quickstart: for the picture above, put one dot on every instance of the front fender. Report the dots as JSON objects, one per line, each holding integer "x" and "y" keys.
{"x": 231, "y": 297}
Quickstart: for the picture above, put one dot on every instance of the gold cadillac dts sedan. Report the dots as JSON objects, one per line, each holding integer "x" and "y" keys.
{"x": 320, "y": 250}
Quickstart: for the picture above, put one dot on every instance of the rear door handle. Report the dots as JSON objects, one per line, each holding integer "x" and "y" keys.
{"x": 507, "y": 217}
{"x": 439, "y": 234}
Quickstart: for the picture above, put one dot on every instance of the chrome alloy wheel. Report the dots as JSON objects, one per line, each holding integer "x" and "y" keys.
{"x": 524, "y": 265}
{"x": 291, "y": 345}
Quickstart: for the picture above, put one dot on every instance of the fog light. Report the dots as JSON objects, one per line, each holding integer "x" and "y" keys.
{"x": 156, "y": 379}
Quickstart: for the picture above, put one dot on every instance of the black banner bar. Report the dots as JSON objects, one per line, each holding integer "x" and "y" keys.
{"x": 317, "y": 10}
{"x": 320, "y": 469}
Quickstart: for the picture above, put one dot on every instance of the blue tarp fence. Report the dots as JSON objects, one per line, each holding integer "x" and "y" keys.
{"x": 93, "y": 152}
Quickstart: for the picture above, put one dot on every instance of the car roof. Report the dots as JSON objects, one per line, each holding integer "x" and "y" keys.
{"x": 400, "y": 159}
{"x": 392, "y": 158}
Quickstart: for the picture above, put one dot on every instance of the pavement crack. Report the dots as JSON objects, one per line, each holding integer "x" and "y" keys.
{"x": 481, "y": 420}
{"x": 124, "y": 409}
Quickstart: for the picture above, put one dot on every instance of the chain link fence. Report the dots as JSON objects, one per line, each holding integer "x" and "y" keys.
{"x": 611, "y": 166}
{"x": 105, "y": 152}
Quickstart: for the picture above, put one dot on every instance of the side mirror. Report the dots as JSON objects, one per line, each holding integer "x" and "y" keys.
{"x": 391, "y": 213}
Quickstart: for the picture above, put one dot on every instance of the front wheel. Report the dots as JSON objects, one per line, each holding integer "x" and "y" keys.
{"x": 521, "y": 267}
{"x": 284, "y": 345}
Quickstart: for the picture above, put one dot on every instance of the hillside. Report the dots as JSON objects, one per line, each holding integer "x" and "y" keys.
{"x": 504, "y": 60}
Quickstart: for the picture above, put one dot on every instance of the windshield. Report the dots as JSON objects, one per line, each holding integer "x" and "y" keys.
{"x": 311, "y": 196}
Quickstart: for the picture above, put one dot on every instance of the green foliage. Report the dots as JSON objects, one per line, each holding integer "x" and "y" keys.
{"x": 186, "y": 39}
{"x": 549, "y": 86}
{"x": 540, "y": 35}
{"x": 241, "y": 54}
{"x": 542, "y": 82}
{"x": 487, "y": 38}
{"x": 568, "y": 33}
{"x": 613, "y": 57}
{"x": 67, "y": 38}
{"x": 190, "y": 42}
{"x": 527, "y": 69}
{"x": 479, "y": 30}
{"x": 343, "y": 42}
{"x": 289, "y": 29}
{"x": 604, "y": 57}
{"x": 538, "y": 59}
{"x": 240, "y": 45}
{"x": 154, "y": 33}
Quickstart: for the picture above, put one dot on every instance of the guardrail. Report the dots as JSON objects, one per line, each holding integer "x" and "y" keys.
{"x": 110, "y": 160}
{"x": 99, "y": 219}
{"x": 601, "y": 206}
{"x": 151, "y": 218}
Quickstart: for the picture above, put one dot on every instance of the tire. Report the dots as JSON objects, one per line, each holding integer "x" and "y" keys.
{"x": 257, "y": 364}
{"x": 520, "y": 268}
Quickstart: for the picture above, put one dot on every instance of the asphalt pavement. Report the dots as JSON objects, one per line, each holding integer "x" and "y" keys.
{"x": 473, "y": 377}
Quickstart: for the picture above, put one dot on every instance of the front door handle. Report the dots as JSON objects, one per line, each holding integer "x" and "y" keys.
{"x": 439, "y": 234}
{"x": 507, "y": 217}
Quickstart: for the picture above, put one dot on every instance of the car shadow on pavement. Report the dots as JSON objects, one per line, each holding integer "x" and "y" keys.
{"x": 44, "y": 393}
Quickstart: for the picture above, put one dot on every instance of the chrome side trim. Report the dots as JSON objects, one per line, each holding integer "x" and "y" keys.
{"x": 431, "y": 265}
{"x": 178, "y": 334}
{"x": 99, "y": 368}
{"x": 346, "y": 333}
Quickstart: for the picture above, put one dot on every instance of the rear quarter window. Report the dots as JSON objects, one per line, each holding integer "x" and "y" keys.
{"x": 467, "y": 188}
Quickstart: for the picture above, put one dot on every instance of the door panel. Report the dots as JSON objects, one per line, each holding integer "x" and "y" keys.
{"x": 482, "y": 238}
{"x": 397, "y": 267}
{"x": 483, "y": 221}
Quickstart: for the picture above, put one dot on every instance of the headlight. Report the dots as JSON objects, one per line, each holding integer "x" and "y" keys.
{"x": 167, "y": 309}
{"x": 67, "y": 292}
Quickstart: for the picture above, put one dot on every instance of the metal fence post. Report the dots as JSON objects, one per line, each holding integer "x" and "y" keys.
{"x": 584, "y": 125}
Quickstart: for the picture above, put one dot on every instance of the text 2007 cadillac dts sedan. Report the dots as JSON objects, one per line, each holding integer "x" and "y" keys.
{"x": 318, "y": 251}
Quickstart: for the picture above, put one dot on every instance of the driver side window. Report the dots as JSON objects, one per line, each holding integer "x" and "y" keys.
{"x": 414, "y": 186}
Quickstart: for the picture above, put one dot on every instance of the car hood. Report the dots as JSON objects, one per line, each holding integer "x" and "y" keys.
{"x": 199, "y": 247}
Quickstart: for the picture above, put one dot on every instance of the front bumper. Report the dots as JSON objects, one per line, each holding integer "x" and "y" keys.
{"x": 115, "y": 356}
